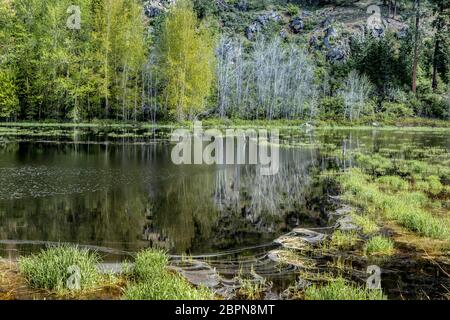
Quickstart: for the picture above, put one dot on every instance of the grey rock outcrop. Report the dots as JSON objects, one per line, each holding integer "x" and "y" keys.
{"x": 330, "y": 34}
{"x": 297, "y": 25}
{"x": 337, "y": 54}
{"x": 260, "y": 22}
{"x": 154, "y": 8}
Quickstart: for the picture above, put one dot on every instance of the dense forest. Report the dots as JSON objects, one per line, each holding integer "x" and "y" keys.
{"x": 133, "y": 60}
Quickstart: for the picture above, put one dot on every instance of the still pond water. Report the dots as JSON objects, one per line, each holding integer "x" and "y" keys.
{"x": 118, "y": 191}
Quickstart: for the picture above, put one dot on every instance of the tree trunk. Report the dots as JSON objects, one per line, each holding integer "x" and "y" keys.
{"x": 416, "y": 48}
{"x": 395, "y": 9}
{"x": 439, "y": 27}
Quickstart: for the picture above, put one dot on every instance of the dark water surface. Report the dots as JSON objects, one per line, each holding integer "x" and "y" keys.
{"x": 119, "y": 192}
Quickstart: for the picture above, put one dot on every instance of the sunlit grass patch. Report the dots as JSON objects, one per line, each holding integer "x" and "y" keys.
{"x": 340, "y": 289}
{"x": 150, "y": 264}
{"x": 344, "y": 239}
{"x": 392, "y": 183}
{"x": 153, "y": 281}
{"x": 379, "y": 245}
{"x": 51, "y": 268}
{"x": 423, "y": 223}
{"x": 367, "y": 225}
{"x": 405, "y": 207}
{"x": 431, "y": 185}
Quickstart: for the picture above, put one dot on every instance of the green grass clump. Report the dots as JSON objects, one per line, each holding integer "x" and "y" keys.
{"x": 50, "y": 269}
{"x": 407, "y": 208}
{"x": 367, "y": 225}
{"x": 431, "y": 185}
{"x": 150, "y": 264}
{"x": 343, "y": 239}
{"x": 425, "y": 224}
{"x": 153, "y": 281}
{"x": 393, "y": 183}
{"x": 379, "y": 245}
{"x": 342, "y": 290}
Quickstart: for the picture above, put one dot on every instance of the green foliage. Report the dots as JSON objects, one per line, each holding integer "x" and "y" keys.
{"x": 150, "y": 264}
{"x": 381, "y": 60}
{"x": 340, "y": 289}
{"x": 292, "y": 9}
{"x": 9, "y": 102}
{"x": 50, "y": 269}
{"x": 110, "y": 68}
{"x": 186, "y": 61}
{"x": 78, "y": 74}
{"x": 396, "y": 110}
{"x": 205, "y": 8}
{"x": 436, "y": 106}
{"x": 332, "y": 107}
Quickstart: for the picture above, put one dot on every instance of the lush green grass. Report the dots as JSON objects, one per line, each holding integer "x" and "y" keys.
{"x": 50, "y": 269}
{"x": 406, "y": 207}
{"x": 153, "y": 281}
{"x": 367, "y": 225}
{"x": 379, "y": 245}
{"x": 392, "y": 183}
{"x": 344, "y": 239}
{"x": 340, "y": 289}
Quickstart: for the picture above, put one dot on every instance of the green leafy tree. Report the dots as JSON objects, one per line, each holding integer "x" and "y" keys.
{"x": 9, "y": 103}
{"x": 186, "y": 61}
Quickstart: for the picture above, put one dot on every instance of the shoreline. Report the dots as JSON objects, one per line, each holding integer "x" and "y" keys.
{"x": 399, "y": 124}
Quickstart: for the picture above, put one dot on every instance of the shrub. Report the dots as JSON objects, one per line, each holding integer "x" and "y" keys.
{"x": 332, "y": 106}
{"x": 434, "y": 105}
{"x": 292, "y": 9}
{"x": 396, "y": 110}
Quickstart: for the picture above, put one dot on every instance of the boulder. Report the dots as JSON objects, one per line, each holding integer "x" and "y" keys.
{"x": 252, "y": 30}
{"x": 153, "y": 8}
{"x": 402, "y": 33}
{"x": 313, "y": 43}
{"x": 336, "y": 54}
{"x": 260, "y": 22}
{"x": 242, "y": 5}
{"x": 297, "y": 25}
{"x": 283, "y": 34}
{"x": 330, "y": 33}
{"x": 328, "y": 21}
{"x": 378, "y": 31}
